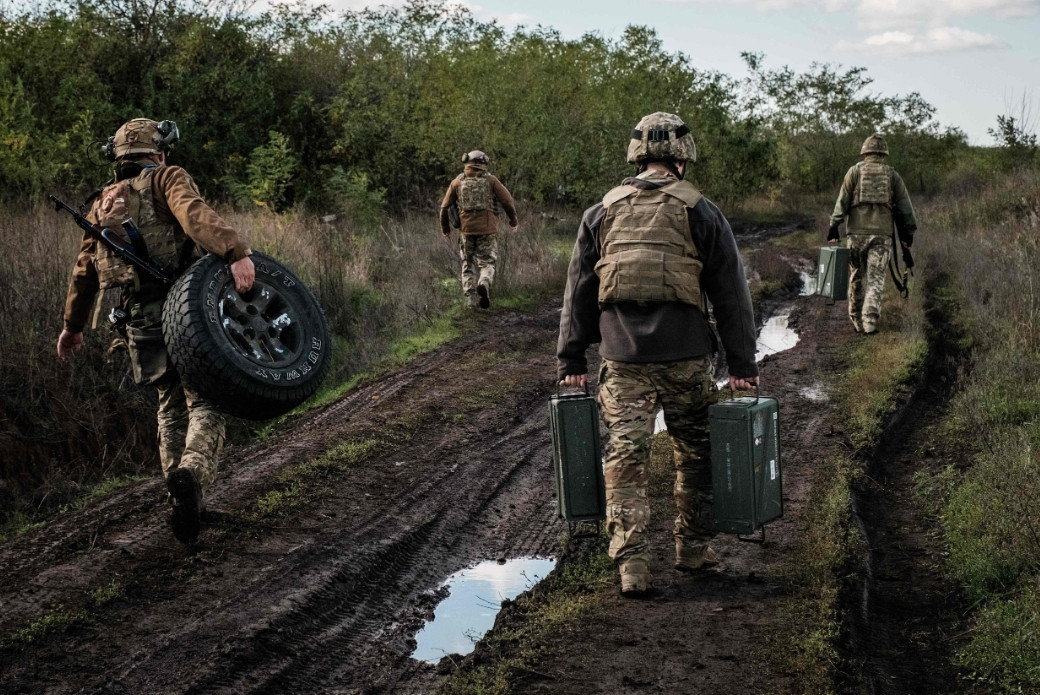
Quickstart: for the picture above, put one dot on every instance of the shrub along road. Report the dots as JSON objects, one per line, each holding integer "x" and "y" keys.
{"x": 326, "y": 543}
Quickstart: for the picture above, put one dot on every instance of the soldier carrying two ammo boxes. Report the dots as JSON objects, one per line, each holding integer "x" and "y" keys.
{"x": 647, "y": 260}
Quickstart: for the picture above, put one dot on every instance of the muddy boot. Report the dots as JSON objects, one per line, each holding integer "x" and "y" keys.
{"x": 485, "y": 295}
{"x": 691, "y": 558}
{"x": 635, "y": 579}
{"x": 869, "y": 326}
{"x": 856, "y": 324}
{"x": 186, "y": 497}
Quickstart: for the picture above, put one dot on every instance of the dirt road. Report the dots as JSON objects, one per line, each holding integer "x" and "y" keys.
{"x": 326, "y": 543}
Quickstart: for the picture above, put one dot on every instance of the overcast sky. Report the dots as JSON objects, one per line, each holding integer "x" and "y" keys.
{"x": 971, "y": 59}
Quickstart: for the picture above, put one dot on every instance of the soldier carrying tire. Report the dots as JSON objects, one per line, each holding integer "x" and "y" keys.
{"x": 173, "y": 223}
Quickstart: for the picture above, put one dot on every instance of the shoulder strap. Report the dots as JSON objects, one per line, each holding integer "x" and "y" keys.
{"x": 684, "y": 191}
{"x": 619, "y": 193}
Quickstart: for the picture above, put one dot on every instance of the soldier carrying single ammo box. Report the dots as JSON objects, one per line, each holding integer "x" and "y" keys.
{"x": 872, "y": 198}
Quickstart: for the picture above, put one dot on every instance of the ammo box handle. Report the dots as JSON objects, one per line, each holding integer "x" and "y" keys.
{"x": 584, "y": 388}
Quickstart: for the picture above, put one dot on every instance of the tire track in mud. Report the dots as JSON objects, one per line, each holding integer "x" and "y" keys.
{"x": 903, "y": 608}
{"x": 328, "y": 599}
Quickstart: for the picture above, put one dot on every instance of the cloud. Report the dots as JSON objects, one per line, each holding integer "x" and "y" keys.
{"x": 893, "y": 14}
{"x": 935, "y": 40}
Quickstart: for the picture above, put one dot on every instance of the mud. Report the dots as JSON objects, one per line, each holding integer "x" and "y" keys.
{"x": 328, "y": 595}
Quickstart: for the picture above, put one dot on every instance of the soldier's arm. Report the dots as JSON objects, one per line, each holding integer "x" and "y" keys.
{"x": 579, "y": 322}
{"x": 505, "y": 199}
{"x": 450, "y": 197}
{"x": 722, "y": 279}
{"x": 198, "y": 220}
{"x": 844, "y": 202}
{"x": 83, "y": 286}
{"x": 903, "y": 210}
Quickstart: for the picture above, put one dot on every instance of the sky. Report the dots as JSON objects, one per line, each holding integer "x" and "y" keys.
{"x": 971, "y": 59}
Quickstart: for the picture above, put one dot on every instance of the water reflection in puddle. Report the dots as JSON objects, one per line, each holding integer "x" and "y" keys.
{"x": 475, "y": 597}
{"x": 814, "y": 393}
{"x": 808, "y": 284}
{"x": 776, "y": 336}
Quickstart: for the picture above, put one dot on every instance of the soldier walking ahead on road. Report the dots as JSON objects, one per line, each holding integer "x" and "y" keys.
{"x": 872, "y": 197}
{"x": 479, "y": 196}
{"x": 646, "y": 262}
{"x": 171, "y": 218}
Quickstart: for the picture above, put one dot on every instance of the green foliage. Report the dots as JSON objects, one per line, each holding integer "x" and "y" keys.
{"x": 269, "y": 175}
{"x": 1005, "y": 647}
{"x": 295, "y": 106}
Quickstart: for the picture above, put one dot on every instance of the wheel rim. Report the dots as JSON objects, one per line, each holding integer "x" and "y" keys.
{"x": 261, "y": 325}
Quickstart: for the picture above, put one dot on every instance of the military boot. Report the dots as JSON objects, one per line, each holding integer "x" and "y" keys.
{"x": 635, "y": 578}
{"x": 186, "y": 497}
{"x": 484, "y": 290}
{"x": 869, "y": 326}
{"x": 690, "y": 558}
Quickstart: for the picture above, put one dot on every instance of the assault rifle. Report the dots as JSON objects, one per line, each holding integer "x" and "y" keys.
{"x": 134, "y": 254}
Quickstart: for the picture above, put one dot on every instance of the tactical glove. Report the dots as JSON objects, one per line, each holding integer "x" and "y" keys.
{"x": 832, "y": 233}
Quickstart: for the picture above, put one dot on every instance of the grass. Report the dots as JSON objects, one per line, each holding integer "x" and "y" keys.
{"x": 805, "y": 646}
{"x": 62, "y": 618}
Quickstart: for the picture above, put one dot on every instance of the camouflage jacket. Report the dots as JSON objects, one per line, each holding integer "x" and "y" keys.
{"x": 478, "y": 221}
{"x": 660, "y": 331}
{"x": 177, "y": 200}
{"x": 870, "y": 218}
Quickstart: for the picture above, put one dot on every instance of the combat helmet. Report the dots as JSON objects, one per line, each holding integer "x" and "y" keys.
{"x": 661, "y": 136}
{"x": 475, "y": 157}
{"x": 141, "y": 136}
{"x": 875, "y": 144}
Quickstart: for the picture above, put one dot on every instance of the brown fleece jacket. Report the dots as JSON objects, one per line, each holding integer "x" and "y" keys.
{"x": 478, "y": 221}
{"x": 177, "y": 198}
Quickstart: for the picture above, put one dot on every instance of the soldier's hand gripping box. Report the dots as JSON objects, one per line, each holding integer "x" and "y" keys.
{"x": 746, "y": 481}
{"x": 577, "y": 459}
{"x": 833, "y": 279}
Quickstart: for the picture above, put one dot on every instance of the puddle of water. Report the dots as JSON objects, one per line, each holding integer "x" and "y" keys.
{"x": 776, "y": 336}
{"x": 814, "y": 393}
{"x": 808, "y": 284}
{"x": 475, "y": 597}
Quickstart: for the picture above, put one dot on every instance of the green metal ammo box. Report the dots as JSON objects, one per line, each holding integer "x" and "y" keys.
{"x": 833, "y": 280}
{"x": 745, "y": 464}
{"x": 577, "y": 458}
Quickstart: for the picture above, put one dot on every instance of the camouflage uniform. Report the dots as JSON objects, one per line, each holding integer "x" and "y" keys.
{"x": 629, "y": 397}
{"x": 873, "y": 197}
{"x": 479, "y": 253}
{"x": 172, "y": 218}
{"x": 479, "y": 197}
{"x": 646, "y": 261}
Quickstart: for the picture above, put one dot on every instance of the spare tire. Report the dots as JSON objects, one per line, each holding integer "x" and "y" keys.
{"x": 256, "y": 355}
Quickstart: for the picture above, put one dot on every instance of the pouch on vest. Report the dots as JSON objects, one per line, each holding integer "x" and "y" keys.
{"x": 147, "y": 351}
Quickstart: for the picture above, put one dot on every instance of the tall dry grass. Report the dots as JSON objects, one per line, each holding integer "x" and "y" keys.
{"x": 64, "y": 427}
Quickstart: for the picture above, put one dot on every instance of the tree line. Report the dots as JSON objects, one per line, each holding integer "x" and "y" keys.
{"x": 297, "y": 107}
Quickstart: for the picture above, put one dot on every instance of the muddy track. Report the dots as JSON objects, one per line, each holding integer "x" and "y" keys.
{"x": 327, "y": 598}
{"x": 903, "y": 612}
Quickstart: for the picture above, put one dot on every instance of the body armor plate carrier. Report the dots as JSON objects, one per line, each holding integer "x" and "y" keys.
{"x": 165, "y": 242}
{"x": 475, "y": 193}
{"x": 871, "y": 211}
{"x": 647, "y": 253}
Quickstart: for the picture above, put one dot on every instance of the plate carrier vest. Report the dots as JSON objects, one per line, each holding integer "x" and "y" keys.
{"x": 871, "y": 211}
{"x": 166, "y": 243}
{"x": 647, "y": 253}
{"x": 475, "y": 193}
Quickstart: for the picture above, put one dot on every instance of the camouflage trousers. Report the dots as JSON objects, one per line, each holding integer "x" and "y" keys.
{"x": 191, "y": 430}
{"x": 479, "y": 253}
{"x": 868, "y": 263}
{"x": 629, "y": 396}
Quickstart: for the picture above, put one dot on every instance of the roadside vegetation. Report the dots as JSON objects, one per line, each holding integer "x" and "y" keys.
{"x": 988, "y": 500}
